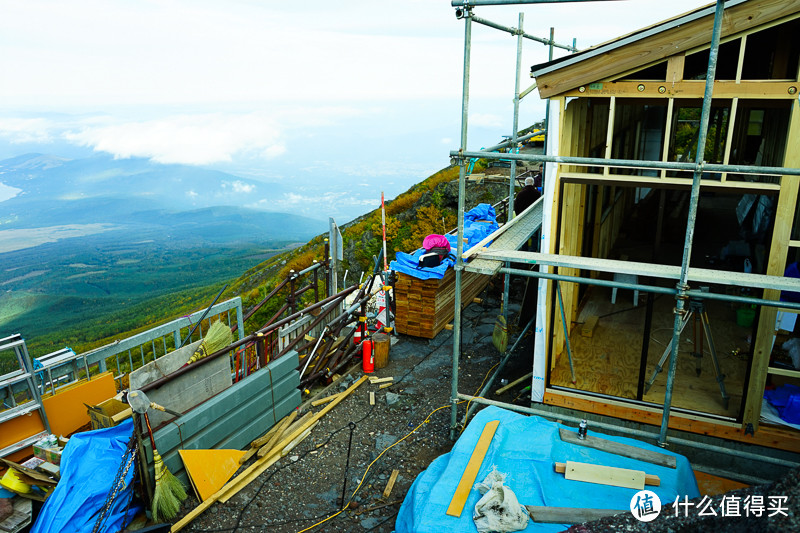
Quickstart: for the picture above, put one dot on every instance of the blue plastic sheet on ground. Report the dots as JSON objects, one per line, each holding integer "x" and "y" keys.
{"x": 89, "y": 465}
{"x": 479, "y": 222}
{"x": 525, "y": 448}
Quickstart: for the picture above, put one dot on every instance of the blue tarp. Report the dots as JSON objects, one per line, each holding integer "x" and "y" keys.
{"x": 786, "y": 399}
{"x": 479, "y": 222}
{"x": 89, "y": 465}
{"x": 525, "y": 448}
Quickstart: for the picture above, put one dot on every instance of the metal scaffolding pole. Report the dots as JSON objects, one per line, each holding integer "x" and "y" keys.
{"x": 513, "y": 173}
{"x": 682, "y": 285}
{"x": 631, "y": 163}
{"x": 459, "y": 266}
{"x": 514, "y": 31}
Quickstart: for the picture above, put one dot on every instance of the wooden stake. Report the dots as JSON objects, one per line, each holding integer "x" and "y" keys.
{"x": 390, "y": 485}
{"x": 238, "y": 483}
{"x": 323, "y": 401}
{"x": 375, "y": 381}
{"x": 385, "y": 385}
{"x": 513, "y": 384}
{"x": 371, "y": 398}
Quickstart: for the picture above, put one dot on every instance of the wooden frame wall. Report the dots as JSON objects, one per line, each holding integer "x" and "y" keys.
{"x": 573, "y": 184}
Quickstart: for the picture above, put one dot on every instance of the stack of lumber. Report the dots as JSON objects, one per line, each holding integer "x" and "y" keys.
{"x": 424, "y": 307}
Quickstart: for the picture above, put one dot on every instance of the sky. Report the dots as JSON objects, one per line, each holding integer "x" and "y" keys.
{"x": 339, "y": 99}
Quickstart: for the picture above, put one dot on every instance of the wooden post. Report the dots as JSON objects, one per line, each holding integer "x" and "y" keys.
{"x": 382, "y": 344}
{"x": 781, "y": 234}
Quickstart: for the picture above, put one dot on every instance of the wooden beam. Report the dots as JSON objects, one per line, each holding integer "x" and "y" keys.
{"x": 671, "y": 183}
{"x": 781, "y": 438}
{"x": 323, "y": 401}
{"x": 748, "y": 90}
{"x": 675, "y": 68}
{"x": 661, "y": 45}
{"x": 779, "y": 250}
{"x": 514, "y": 383}
{"x": 471, "y": 471}
{"x": 568, "y": 515}
{"x": 618, "y": 448}
{"x": 606, "y": 475}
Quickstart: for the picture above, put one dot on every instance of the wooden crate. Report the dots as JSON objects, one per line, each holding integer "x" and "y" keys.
{"x": 424, "y": 307}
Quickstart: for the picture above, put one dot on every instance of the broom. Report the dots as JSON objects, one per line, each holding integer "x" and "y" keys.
{"x": 218, "y": 337}
{"x": 169, "y": 491}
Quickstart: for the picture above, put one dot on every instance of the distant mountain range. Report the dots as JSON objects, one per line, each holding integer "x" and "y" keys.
{"x": 152, "y": 199}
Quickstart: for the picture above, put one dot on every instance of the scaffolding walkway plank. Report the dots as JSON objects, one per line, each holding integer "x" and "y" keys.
{"x": 510, "y": 236}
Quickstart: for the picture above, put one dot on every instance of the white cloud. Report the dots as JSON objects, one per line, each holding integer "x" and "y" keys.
{"x": 189, "y": 139}
{"x": 239, "y": 186}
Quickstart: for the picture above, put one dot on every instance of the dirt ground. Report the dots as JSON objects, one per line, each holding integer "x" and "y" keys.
{"x": 356, "y": 446}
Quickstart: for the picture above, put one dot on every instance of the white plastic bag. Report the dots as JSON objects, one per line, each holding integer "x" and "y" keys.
{"x": 498, "y": 510}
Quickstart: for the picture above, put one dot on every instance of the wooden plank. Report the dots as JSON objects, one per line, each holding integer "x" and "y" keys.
{"x": 662, "y": 44}
{"x": 618, "y": 448}
{"x": 371, "y": 397}
{"x": 752, "y": 90}
{"x": 568, "y": 515}
{"x": 390, "y": 485}
{"x": 323, "y": 401}
{"x": 606, "y": 475}
{"x": 514, "y": 383}
{"x": 277, "y": 435}
{"x": 781, "y": 438}
{"x": 376, "y": 381}
{"x": 471, "y": 471}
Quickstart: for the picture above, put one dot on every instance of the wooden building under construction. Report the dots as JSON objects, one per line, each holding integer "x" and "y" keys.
{"x": 639, "y": 97}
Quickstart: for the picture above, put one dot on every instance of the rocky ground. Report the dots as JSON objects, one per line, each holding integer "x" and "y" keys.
{"x": 356, "y": 446}
{"x": 352, "y": 452}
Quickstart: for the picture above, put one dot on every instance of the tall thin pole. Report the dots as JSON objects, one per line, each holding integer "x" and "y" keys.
{"x": 513, "y": 173}
{"x": 547, "y": 104}
{"x": 690, "y": 223}
{"x": 459, "y": 266}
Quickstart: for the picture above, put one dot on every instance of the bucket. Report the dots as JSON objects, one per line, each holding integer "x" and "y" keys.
{"x": 368, "y": 357}
{"x": 745, "y": 316}
{"x": 12, "y": 482}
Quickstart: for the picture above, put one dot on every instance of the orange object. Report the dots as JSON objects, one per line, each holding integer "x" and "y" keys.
{"x": 209, "y": 470}
{"x": 66, "y": 411}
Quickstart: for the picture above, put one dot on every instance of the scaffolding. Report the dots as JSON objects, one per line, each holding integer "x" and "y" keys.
{"x": 504, "y": 248}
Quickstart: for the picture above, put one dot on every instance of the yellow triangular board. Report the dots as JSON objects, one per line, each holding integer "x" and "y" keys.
{"x": 209, "y": 470}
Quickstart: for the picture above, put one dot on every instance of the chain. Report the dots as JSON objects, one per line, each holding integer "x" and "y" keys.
{"x": 127, "y": 460}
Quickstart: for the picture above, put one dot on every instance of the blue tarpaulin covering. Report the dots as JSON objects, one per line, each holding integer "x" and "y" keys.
{"x": 525, "y": 448}
{"x": 89, "y": 465}
{"x": 479, "y": 222}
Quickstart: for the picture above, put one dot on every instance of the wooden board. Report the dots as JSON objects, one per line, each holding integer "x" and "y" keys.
{"x": 602, "y": 475}
{"x": 390, "y": 485}
{"x": 471, "y": 471}
{"x": 568, "y": 515}
{"x": 588, "y": 327}
{"x": 618, "y": 448}
{"x": 425, "y": 307}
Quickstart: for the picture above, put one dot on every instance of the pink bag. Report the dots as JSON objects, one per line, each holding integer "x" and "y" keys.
{"x": 437, "y": 244}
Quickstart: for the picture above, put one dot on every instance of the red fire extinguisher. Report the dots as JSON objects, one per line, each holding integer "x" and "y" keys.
{"x": 368, "y": 356}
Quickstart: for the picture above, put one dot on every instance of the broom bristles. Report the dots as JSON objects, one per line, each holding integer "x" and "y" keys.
{"x": 218, "y": 337}
{"x": 169, "y": 492}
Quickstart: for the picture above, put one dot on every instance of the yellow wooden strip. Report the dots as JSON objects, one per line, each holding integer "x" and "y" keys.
{"x": 604, "y": 475}
{"x": 471, "y": 472}
{"x": 390, "y": 485}
{"x": 323, "y": 401}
